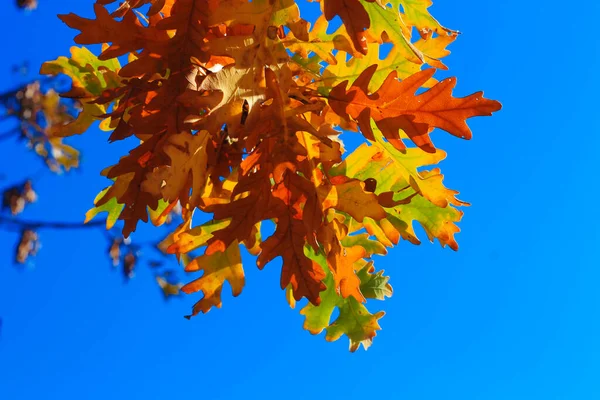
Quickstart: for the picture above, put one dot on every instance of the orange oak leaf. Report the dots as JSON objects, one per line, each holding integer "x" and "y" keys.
{"x": 244, "y": 212}
{"x": 127, "y": 35}
{"x": 355, "y": 19}
{"x": 342, "y": 259}
{"x": 395, "y": 107}
{"x": 304, "y": 275}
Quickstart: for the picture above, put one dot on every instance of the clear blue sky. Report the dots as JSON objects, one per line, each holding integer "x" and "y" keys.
{"x": 515, "y": 314}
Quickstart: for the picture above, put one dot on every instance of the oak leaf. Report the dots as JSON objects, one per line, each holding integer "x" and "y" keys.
{"x": 432, "y": 49}
{"x": 112, "y": 207}
{"x": 217, "y": 267}
{"x": 354, "y": 320}
{"x": 90, "y": 78}
{"x": 188, "y": 154}
{"x": 353, "y": 16}
{"x": 395, "y": 107}
{"x": 428, "y": 201}
{"x": 350, "y": 197}
{"x": 386, "y": 23}
{"x": 303, "y": 274}
{"x": 416, "y": 14}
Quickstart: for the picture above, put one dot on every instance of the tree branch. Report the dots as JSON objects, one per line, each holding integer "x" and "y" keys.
{"x": 4, "y": 220}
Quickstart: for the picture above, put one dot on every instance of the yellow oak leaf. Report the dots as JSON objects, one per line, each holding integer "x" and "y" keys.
{"x": 350, "y": 197}
{"x": 218, "y": 268}
{"x": 188, "y": 154}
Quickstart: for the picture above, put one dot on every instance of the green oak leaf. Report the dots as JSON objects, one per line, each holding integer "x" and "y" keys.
{"x": 90, "y": 77}
{"x": 354, "y": 320}
{"x": 112, "y": 207}
{"x": 374, "y": 285}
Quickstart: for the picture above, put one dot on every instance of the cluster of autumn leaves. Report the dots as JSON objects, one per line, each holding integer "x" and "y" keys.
{"x": 237, "y": 108}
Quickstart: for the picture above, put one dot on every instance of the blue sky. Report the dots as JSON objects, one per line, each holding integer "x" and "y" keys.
{"x": 514, "y": 314}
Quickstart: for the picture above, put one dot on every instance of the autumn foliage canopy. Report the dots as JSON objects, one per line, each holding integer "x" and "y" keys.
{"x": 237, "y": 107}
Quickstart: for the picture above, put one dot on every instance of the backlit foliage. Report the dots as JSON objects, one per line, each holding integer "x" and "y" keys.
{"x": 237, "y": 107}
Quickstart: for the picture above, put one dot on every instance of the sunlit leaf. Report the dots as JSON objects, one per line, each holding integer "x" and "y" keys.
{"x": 236, "y": 107}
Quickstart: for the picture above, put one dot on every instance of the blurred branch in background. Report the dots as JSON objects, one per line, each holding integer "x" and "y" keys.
{"x": 28, "y": 115}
